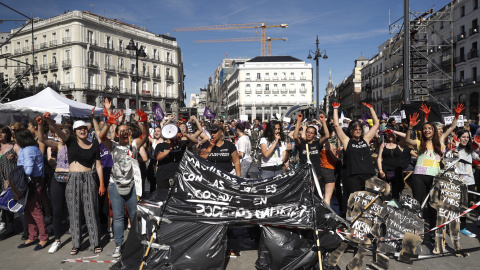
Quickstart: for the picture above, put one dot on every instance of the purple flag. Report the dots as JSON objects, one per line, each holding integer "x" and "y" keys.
{"x": 385, "y": 115}
{"x": 208, "y": 113}
{"x": 365, "y": 117}
{"x": 159, "y": 115}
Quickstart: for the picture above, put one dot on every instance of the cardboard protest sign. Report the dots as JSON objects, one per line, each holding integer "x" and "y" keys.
{"x": 398, "y": 222}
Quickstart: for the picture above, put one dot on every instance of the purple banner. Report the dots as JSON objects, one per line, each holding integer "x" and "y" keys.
{"x": 208, "y": 113}
{"x": 365, "y": 118}
{"x": 159, "y": 115}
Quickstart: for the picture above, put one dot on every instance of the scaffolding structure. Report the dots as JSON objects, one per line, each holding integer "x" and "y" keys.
{"x": 422, "y": 74}
{"x": 28, "y": 68}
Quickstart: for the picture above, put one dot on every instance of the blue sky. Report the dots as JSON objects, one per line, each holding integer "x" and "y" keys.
{"x": 346, "y": 28}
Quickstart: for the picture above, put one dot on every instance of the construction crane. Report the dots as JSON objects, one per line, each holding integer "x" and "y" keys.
{"x": 262, "y": 26}
{"x": 269, "y": 41}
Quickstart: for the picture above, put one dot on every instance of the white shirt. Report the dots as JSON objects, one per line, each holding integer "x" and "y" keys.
{"x": 275, "y": 158}
{"x": 466, "y": 170}
{"x": 243, "y": 145}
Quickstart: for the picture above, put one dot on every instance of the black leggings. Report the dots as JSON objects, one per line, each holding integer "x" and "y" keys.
{"x": 58, "y": 204}
{"x": 420, "y": 184}
{"x": 354, "y": 183}
{"x": 397, "y": 183}
{"x": 471, "y": 197}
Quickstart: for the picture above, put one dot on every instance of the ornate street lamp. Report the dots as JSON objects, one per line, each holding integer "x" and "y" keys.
{"x": 317, "y": 55}
{"x": 139, "y": 52}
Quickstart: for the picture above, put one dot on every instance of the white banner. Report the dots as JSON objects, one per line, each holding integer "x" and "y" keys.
{"x": 128, "y": 112}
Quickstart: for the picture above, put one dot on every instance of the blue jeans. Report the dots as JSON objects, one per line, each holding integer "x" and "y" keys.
{"x": 118, "y": 208}
{"x": 267, "y": 174}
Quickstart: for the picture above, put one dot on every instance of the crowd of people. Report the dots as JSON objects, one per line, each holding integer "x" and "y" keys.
{"x": 95, "y": 172}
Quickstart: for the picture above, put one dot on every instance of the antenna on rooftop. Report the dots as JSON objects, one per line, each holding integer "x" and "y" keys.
{"x": 91, "y": 6}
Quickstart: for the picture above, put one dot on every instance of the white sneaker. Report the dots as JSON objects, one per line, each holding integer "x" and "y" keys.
{"x": 2, "y": 226}
{"x": 118, "y": 252}
{"x": 55, "y": 246}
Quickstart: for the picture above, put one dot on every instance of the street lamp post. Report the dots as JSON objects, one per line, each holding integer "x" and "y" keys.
{"x": 138, "y": 52}
{"x": 317, "y": 55}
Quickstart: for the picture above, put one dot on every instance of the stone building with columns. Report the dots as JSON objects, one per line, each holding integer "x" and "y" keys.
{"x": 266, "y": 86}
{"x": 83, "y": 56}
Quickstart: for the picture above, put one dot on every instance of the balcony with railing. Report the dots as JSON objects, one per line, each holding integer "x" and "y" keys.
{"x": 53, "y": 66}
{"x": 43, "y": 67}
{"x": 247, "y": 79}
{"x": 472, "y": 54}
{"x": 266, "y": 91}
{"x": 92, "y": 86}
{"x": 248, "y": 91}
{"x": 43, "y": 45}
{"x": 169, "y": 78}
{"x": 108, "y": 46}
{"x": 92, "y": 42}
{"x": 258, "y": 91}
{"x": 66, "y": 64}
{"x": 66, "y": 40}
{"x": 53, "y": 43}
{"x": 123, "y": 90}
{"x": 17, "y": 51}
{"x": 18, "y": 71}
{"x": 275, "y": 91}
{"x": 284, "y": 90}
{"x": 473, "y": 30}
{"x": 146, "y": 74}
{"x": 67, "y": 86}
{"x": 461, "y": 36}
{"x": 92, "y": 64}
{"x": 109, "y": 68}
{"x": 292, "y": 91}
{"x": 156, "y": 76}
{"x": 275, "y": 78}
{"x": 122, "y": 70}
{"x": 460, "y": 59}
{"x": 25, "y": 49}
{"x": 303, "y": 90}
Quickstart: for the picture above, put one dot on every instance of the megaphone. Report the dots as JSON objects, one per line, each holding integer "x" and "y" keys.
{"x": 169, "y": 131}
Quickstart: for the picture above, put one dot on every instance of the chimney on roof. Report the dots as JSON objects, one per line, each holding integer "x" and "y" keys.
{"x": 142, "y": 28}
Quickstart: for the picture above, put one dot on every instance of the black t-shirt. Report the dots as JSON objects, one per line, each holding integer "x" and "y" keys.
{"x": 391, "y": 158}
{"x": 358, "y": 158}
{"x": 222, "y": 156}
{"x": 314, "y": 151}
{"x": 168, "y": 166}
{"x": 86, "y": 157}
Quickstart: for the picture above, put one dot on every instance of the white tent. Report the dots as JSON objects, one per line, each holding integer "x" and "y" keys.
{"x": 51, "y": 101}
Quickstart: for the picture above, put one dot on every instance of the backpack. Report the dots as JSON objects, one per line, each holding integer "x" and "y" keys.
{"x": 19, "y": 182}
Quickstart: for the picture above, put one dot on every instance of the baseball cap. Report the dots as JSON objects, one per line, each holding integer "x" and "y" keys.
{"x": 78, "y": 124}
{"x": 214, "y": 128}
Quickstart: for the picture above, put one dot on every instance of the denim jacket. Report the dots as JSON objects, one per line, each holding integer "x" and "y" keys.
{"x": 31, "y": 159}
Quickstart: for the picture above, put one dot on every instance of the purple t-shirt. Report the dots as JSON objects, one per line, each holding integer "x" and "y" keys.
{"x": 107, "y": 162}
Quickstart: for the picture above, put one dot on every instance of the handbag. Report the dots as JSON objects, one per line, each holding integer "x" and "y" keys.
{"x": 61, "y": 177}
{"x": 7, "y": 201}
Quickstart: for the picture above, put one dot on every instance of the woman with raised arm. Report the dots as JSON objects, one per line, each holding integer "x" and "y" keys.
{"x": 121, "y": 187}
{"x": 314, "y": 153}
{"x": 389, "y": 163}
{"x": 59, "y": 182}
{"x": 357, "y": 159}
{"x": 429, "y": 147}
{"x": 82, "y": 190}
{"x": 275, "y": 150}
{"x": 169, "y": 153}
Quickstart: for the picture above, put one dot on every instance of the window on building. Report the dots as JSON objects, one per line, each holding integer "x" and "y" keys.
{"x": 475, "y": 25}
{"x": 284, "y": 75}
{"x": 462, "y": 30}
{"x": 267, "y": 75}
{"x": 247, "y": 76}
{"x": 55, "y": 80}
{"x": 259, "y": 87}
{"x": 474, "y": 74}
{"x": 475, "y": 4}
{"x": 155, "y": 54}
{"x": 302, "y": 75}
{"x": 90, "y": 37}
{"x": 462, "y": 76}
{"x": 54, "y": 58}
{"x": 258, "y": 76}
{"x": 462, "y": 11}
{"x": 54, "y": 36}
{"x": 284, "y": 86}
{"x": 267, "y": 87}
{"x": 109, "y": 43}
{"x": 67, "y": 54}
{"x": 247, "y": 86}
{"x": 292, "y": 75}
{"x": 302, "y": 86}
{"x": 44, "y": 59}
{"x": 168, "y": 56}
{"x": 121, "y": 64}
{"x": 275, "y": 86}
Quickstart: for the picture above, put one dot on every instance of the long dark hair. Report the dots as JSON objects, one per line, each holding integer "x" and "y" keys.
{"x": 269, "y": 132}
{"x": 24, "y": 138}
{"x": 437, "y": 146}
{"x": 468, "y": 148}
{"x": 8, "y": 133}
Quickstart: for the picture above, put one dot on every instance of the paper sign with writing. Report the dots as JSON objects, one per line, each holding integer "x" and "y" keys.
{"x": 244, "y": 117}
{"x": 397, "y": 118}
{"x": 205, "y": 193}
{"x": 286, "y": 119}
{"x": 403, "y": 115}
{"x": 449, "y": 195}
{"x": 448, "y": 120}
